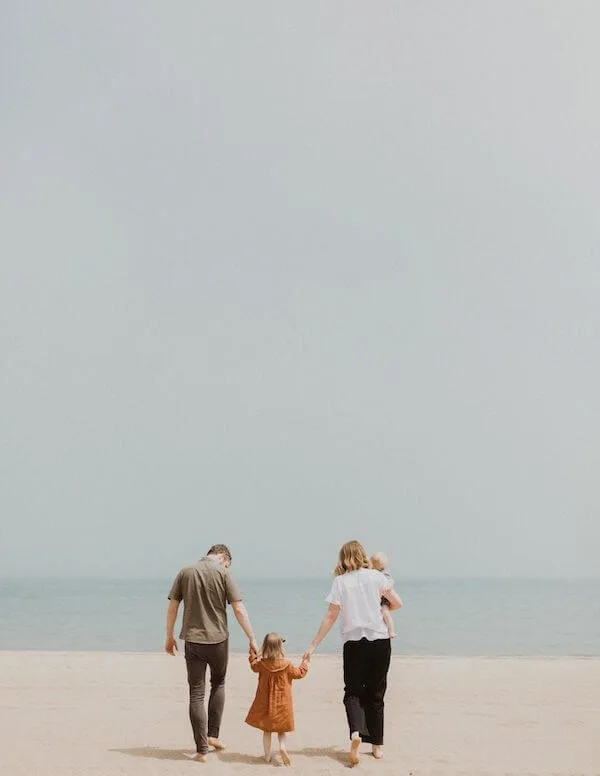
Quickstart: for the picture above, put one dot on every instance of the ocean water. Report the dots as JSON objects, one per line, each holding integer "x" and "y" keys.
{"x": 439, "y": 617}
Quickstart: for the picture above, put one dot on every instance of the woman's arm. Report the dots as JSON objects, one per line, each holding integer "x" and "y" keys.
{"x": 326, "y": 624}
{"x": 395, "y": 602}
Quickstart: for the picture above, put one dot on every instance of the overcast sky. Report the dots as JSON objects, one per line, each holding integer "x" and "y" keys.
{"x": 285, "y": 274}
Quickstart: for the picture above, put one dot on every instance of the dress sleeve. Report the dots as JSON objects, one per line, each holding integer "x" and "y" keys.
{"x": 255, "y": 663}
{"x": 297, "y": 672}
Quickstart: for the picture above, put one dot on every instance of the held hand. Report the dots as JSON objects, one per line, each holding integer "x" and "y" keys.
{"x": 253, "y": 646}
{"x": 307, "y": 655}
{"x": 171, "y": 646}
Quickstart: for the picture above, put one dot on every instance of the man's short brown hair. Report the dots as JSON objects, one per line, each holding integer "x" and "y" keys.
{"x": 220, "y": 549}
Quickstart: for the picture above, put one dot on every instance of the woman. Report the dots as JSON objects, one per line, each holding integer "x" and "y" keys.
{"x": 356, "y": 595}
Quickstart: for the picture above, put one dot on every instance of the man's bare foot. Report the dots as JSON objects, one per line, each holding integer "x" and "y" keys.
{"x": 216, "y": 744}
{"x": 354, "y": 747}
{"x": 377, "y": 751}
{"x": 285, "y": 758}
{"x": 197, "y": 757}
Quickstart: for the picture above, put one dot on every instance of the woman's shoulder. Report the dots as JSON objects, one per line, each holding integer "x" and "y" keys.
{"x": 374, "y": 575}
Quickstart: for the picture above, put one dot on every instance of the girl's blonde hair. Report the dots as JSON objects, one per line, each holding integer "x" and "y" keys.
{"x": 272, "y": 646}
{"x": 352, "y": 557}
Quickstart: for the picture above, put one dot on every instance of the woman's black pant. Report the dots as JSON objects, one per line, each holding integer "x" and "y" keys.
{"x": 366, "y": 665}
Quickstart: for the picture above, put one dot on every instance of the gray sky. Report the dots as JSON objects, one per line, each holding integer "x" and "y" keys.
{"x": 286, "y": 274}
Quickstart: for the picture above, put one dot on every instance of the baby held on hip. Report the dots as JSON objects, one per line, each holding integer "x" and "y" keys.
{"x": 379, "y": 562}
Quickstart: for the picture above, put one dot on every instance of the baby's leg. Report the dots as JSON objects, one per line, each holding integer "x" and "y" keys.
{"x": 267, "y": 746}
{"x": 285, "y": 758}
{"x": 389, "y": 623}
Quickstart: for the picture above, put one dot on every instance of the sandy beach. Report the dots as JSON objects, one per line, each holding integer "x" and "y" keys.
{"x": 112, "y": 713}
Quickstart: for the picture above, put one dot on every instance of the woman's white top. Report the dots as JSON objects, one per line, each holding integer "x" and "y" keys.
{"x": 358, "y": 593}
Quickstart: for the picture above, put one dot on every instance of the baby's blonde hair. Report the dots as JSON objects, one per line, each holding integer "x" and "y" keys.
{"x": 272, "y": 647}
{"x": 379, "y": 561}
{"x": 352, "y": 557}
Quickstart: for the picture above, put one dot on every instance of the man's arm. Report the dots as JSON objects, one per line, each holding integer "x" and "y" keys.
{"x": 170, "y": 643}
{"x": 241, "y": 615}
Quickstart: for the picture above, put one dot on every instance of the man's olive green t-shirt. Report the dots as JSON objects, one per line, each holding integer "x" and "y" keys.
{"x": 205, "y": 589}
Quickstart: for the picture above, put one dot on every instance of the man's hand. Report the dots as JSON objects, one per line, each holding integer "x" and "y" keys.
{"x": 171, "y": 646}
{"x": 253, "y": 646}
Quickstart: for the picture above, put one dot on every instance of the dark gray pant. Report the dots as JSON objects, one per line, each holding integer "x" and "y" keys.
{"x": 197, "y": 657}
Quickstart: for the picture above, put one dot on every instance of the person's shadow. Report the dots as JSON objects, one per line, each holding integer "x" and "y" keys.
{"x": 333, "y": 752}
{"x": 156, "y": 753}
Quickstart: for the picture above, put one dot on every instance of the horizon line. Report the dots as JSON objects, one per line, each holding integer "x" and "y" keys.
{"x": 261, "y": 578}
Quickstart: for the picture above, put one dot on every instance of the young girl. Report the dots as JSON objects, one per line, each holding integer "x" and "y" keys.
{"x": 272, "y": 710}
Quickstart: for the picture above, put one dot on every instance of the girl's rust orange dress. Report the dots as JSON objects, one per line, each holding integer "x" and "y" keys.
{"x": 272, "y": 709}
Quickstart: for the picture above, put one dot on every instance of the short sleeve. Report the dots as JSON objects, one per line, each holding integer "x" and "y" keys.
{"x": 232, "y": 590}
{"x": 385, "y": 581}
{"x": 176, "y": 591}
{"x": 334, "y": 596}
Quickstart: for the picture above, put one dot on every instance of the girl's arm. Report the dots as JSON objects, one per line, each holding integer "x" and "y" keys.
{"x": 298, "y": 672}
{"x": 327, "y": 622}
{"x": 255, "y": 662}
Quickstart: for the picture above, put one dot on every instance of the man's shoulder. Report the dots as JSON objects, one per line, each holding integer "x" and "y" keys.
{"x": 186, "y": 570}
{"x": 205, "y": 567}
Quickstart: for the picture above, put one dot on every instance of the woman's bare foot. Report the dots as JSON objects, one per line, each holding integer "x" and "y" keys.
{"x": 216, "y": 744}
{"x": 355, "y": 743}
{"x": 377, "y": 751}
{"x": 285, "y": 758}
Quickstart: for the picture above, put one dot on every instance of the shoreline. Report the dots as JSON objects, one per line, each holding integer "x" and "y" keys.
{"x": 316, "y": 656}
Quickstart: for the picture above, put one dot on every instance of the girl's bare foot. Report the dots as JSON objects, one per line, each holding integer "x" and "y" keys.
{"x": 377, "y": 751}
{"x": 216, "y": 744}
{"x": 267, "y": 746}
{"x": 355, "y": 743}
{"x": 285, "y": 758}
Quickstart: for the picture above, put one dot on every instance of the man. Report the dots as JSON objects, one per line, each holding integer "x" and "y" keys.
{"x": 205, "y": 589}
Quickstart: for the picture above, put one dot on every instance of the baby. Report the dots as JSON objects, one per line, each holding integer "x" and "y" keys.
{"x": 379, "y": 561}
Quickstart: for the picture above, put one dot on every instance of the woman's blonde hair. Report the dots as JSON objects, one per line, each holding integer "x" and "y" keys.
{"x": 352, "y": 557}
{"x": 272, "y": 646}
